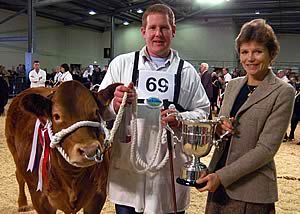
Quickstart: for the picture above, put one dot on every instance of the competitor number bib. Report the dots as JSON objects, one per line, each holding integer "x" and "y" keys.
{"x": 156, "y": 84}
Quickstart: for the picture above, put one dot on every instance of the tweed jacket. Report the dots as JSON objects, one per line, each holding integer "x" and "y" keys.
{"x": 249, "y": 173}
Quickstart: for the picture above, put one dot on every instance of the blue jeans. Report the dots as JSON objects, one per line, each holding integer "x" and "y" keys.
{"x": 122, "y": 209}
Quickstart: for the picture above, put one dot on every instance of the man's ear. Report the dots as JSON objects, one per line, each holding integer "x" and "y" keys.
{"x": 173, "y": 30}
{"x": 37, "y": 104}
{"x": 143, "y": 31}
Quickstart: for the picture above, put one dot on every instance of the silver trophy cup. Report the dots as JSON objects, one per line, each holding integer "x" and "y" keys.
{"x": 197, "y": 141}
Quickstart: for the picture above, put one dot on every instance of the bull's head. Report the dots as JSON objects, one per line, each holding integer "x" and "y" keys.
{"x": 67, "y": 105}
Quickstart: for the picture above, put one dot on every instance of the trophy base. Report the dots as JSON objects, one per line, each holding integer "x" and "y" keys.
{"x": 190, "y": 183}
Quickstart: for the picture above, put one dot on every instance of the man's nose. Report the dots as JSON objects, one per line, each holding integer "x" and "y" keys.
{"x": 158, "y": 32}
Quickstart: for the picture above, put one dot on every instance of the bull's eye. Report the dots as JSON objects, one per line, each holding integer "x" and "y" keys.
{"x": 56, "y": 117}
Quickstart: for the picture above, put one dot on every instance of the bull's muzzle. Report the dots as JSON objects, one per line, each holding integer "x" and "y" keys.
{"x": 98, "y": 157}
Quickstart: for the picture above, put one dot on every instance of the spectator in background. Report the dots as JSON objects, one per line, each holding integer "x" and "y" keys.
{"x": 281, "y": 75}
{"x": 3, "y": 94}
{"x": 66, "y": 74}
{"x": 87, "y": 76}
{"x": 296, "y": 114}
{"x": 21, "y": 70}
{"x": 235, "y": 73}
{"x": 105, "y": 68}
{"x": 206, "y": 80}
{"x": 97, "y": 76}
{"x": 227, "y": 75}
{"x": 37, "y": 76}
{"x": 56, "y": 76}
{"x": 288, "y": 72}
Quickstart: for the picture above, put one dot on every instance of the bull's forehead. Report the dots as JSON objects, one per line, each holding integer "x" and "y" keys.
{"x": 72, "y": 98}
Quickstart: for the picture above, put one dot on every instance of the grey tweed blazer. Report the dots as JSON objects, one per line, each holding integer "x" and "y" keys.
{"x": 249, "y": 174}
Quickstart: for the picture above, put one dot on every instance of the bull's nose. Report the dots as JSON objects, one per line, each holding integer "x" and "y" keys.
{"x": 88, "y": 150}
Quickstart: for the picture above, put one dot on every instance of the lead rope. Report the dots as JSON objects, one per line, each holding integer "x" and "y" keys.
{"x": 111, "y": 134}
{"x": 137, "y": 162}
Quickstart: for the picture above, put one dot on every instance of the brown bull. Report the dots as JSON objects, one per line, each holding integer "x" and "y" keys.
{"x": 75, "y": 181}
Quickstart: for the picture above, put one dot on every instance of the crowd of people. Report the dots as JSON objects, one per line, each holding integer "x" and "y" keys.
{"x": 15, "y": 77}
{"x": 258, "y": 105}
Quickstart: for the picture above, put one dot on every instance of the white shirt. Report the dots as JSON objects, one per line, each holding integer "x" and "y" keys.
{"x": 150, "y": 192}
{"x": 87, "y": 73}
{"x": 37, "y": 79}
{"x": 285, "y": 79}
{"x": 227, "y": 77}
{"x": 66, "y": 76}
{"x": 57, "y": 77}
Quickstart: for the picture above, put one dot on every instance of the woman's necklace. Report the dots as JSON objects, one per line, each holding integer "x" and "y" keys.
{"x": 251, "y": 89}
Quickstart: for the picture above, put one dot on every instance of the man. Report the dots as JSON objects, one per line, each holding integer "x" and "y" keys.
{"x": 132, "y": 187}
{"x": 206, "y": 80}
{"x": 227, "y": 75}
{"x": 3, "y": 94}
{"x": 281, "y": 75}
{"x": 37, "y": 76}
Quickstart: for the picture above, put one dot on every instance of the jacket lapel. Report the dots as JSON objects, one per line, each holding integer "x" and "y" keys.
{"x": 264, "y": 89}
{"x": 234, "y": 91}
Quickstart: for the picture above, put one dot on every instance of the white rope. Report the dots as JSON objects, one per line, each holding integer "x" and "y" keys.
{"x": 55, "y": 139}
{"x": 137, "y": 163}
{"x": 110, "y": 135}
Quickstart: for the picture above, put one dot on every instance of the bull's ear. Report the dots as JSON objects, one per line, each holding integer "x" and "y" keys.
{"x": 38, "y": 105}
{"x": 104, "y": 96}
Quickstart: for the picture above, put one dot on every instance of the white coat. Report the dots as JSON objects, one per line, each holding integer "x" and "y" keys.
{"x": 37, "y": 79}
{"x": 150, "y": 192}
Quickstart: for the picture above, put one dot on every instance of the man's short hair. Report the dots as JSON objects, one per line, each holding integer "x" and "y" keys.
{"x": 205, "y": 65}
{"x": 161, "y": 9}
{"x": 280, "y": 71}
{"x": 36, "y": 61}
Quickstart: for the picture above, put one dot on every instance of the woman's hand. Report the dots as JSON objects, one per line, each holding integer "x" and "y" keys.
{"x": 213, "y": 182}
{"x": 168, "y": 116}
{"x": 226, "y": 125}
{"x": 119, "y": 94}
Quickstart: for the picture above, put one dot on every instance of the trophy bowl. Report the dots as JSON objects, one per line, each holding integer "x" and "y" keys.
{"x": 197, "y": 140}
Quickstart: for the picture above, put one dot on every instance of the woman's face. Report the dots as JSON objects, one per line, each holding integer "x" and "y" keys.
{"x": 255, "y": 59}
{"x": 62, "y": 70}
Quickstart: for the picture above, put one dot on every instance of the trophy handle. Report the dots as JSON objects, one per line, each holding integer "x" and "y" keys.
{"x": 217, "y": 142}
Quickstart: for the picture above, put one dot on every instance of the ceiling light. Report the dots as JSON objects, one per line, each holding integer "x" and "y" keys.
{"x": 210, "y": 1}
{"x": 91, "y": 12}
{"x": 139, "y": 11}
{"x": 257, "y": 12}
{"x": 125, "y": 23}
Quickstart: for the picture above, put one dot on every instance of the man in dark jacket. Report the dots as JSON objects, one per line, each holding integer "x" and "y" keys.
{"x": 206, "y": 80}
{"x": 3, "y": 94}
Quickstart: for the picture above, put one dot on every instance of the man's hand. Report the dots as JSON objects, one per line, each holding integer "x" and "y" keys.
{"x": 119, "y": 94}
{"x": 168, "y": 117}
{"x": 213, "y": 182}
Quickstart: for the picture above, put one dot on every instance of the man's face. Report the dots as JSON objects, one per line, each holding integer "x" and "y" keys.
{"x": 202, "y": 68}
{"x": 280, "y": 74}
{"x": 36, "y": 66}
{"x": 158, "y": 34}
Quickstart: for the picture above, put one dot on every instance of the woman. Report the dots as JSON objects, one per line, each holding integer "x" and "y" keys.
{"x": 66, "y": 75}
{"x": 243, "y": 178}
